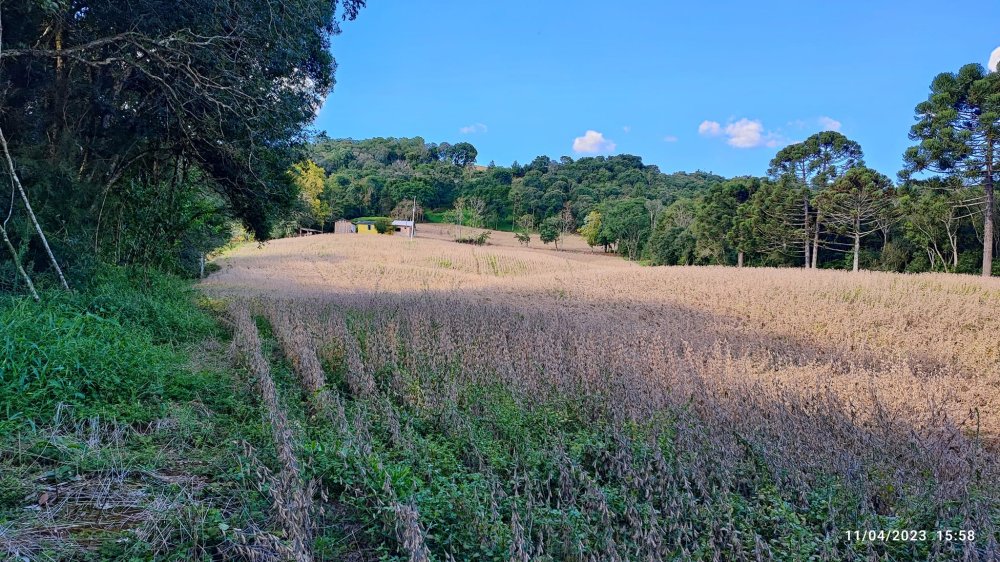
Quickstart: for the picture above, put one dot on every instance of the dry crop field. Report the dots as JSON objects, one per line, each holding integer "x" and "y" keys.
{"x": 499, "y": 402}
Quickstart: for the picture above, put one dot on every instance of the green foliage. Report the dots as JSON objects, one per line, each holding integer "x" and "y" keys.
{"x": 672, "y": 241}
{"x": 479, "y": 240}
{"x": 934, "y": 225}
{"x": 372, "y": 176}
{"x": 109, "y": 350}
{"x": 818, "y": 160}
{"x": 958, "y": 135}
{"x": 626, "y": 223}
{"x": 667, "y": 219}
{"x": 148, "y": 158}
{"x": 718, "y": 226}
{"x": 311, "y": 182}
{"x": 383, "y": 225}
{"x": 101, "y": 393}
{"x": 549, "y": 231}
{"x": 591, "y": 229}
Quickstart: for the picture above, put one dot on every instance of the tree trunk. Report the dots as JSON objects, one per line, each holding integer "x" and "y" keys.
{"x": 739, "y": 259}
{"x": 857, "y": 241}
{"x": 17, "y": 264}
{"x": 954, "y": 251}
{"x": 31, "y": 214}
{"x": 988, "y": 215}
{"x": 815, "y": 252}
{"x": 805, "y": 216}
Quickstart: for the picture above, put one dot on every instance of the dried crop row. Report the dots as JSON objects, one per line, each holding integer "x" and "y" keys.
{"x": 425, "y": 354}
{"x": 292, "y": 498}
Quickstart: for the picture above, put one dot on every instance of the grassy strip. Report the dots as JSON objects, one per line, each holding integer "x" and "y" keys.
{"x": 116, "y": 349}
{"x": 124, "y": 433}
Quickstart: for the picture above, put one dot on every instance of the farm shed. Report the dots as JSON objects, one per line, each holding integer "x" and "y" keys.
{"x": 406, "y": 228}
{"x": 366, "y": 227}
{"x": 344, "y": 227}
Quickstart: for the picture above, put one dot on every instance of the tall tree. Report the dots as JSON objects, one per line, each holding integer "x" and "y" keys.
{"x": 591, "y": 229}
{"x": 958, "y": 131}
{"x": 311, "y": 181}
{"x": 815, "y": 162}
{"x": 461, "y": 154}
{"x": 627, "y": 223}
{"x": 716, "y": 218}
{"x": 854, "y": 203}
{"x": 550, "y": 231}
{"x": 773, "y": 220}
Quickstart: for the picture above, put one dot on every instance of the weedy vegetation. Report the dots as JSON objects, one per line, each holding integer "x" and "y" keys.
{"x": 125, "y": 434}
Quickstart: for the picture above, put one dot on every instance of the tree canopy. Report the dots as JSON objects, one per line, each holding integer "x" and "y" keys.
{"x": 188, "y": 108}
{"x": 958, "y": 135}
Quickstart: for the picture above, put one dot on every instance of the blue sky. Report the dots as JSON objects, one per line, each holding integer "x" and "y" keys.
{"x": 716, "y": 85}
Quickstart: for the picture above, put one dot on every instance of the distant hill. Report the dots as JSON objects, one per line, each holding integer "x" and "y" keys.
{"x": 372, "y": 176}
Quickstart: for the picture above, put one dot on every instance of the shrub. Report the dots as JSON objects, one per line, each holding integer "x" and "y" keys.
{"x": 108, "y": 350}
{"x": 475, "y": 240}
{"x": 383, "y": 225}
{"x": 894, "y": 257}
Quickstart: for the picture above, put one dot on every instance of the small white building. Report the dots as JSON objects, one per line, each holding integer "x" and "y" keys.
{"x": 406, "y": 228}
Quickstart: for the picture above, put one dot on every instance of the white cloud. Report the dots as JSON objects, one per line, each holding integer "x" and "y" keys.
{"x": 829, "y": 123}
{"x": 592, "y": 142}
{"x": 710, "y": 128}
{"x": 745, "y": 133}
{"x": 994, "y": 59}
{"x": 473, "y": 129}
{"x": 627, "y": 128}
{"x": 670, "y": 138}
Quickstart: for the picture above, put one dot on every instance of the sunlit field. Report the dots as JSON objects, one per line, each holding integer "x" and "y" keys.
{"x": 509, "y": 402}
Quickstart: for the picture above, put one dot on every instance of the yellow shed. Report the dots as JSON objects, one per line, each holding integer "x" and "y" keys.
{"x": 366, "y": 227}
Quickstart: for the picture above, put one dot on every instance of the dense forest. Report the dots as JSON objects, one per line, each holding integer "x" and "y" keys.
{"x": 347, "y": 178}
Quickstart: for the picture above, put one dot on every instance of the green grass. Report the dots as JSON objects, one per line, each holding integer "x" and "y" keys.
{"x": 124, "y": 387}
{"x": 435, "y": 216}
{"x": 113, "y": 349}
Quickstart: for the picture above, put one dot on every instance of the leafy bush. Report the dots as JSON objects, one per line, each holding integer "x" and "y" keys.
{"x": 383, "y": 225}
{"x": 109, "y": 350}
{"x": 475, "y": 240}
{"x": 894, "y": 257}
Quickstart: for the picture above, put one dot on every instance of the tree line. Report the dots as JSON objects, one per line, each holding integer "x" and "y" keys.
{"x": 351, "y": 178}
{"x": 818, "y": 206}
